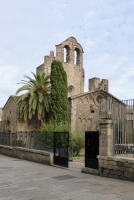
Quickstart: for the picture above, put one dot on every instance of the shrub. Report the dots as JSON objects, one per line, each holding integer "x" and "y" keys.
{"x": 45, "y": 136}
{"x": 77, "y": 142}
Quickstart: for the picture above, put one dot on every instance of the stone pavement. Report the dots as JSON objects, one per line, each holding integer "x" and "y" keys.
{"x": 24, "y": 180}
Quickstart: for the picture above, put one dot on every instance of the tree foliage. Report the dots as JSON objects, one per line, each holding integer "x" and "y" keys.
{"x": 36, "y": 100}
{"x": 45, "y": 136}
{"x": 77, "y": 142}
{"x": 59, "y": 98}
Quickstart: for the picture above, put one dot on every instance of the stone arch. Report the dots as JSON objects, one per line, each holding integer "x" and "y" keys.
{"x": 77, "y": 55}
{"x": 66, "y": 53}
{"x": 80, "y": 101}
{"x": 89, "y": 122}
{"x": 79, "y": 120}
{"x": 84, "y": 123}
{"x": 85, "y": 100}
{"x": 79, "y": 124}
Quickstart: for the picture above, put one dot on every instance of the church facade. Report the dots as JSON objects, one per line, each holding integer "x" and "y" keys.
{"x": 83, "y": 106}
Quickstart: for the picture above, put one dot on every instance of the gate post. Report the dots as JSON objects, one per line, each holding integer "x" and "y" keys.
{"x": 106, "y": 138}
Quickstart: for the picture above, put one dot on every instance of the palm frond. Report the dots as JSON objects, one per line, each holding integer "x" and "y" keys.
{"x": 36, "y": 100}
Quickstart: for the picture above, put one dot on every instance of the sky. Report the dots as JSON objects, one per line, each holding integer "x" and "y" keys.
{"x": 30, "y": 29}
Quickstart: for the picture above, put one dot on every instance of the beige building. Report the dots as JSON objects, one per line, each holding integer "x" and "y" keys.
{"x": 83, "y": 107}
{"x": 84, "y": 110}
{"x": 11, "y": 121}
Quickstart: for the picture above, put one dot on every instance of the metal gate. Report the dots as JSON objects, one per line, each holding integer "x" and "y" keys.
{"x": 61, "y": 144}
{"x": 91, "y": 149}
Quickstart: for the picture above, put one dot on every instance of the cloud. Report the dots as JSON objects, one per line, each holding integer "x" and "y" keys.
{"x": 31, "y": 29}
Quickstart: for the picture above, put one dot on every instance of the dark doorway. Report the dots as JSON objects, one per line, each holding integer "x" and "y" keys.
{"x": 91, "y": 149}
{"x": 61, "y": 144}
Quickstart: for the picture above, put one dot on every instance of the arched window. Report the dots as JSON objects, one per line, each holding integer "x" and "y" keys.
{"x": 66, "y": 54}
{"x": 77, "y": 56}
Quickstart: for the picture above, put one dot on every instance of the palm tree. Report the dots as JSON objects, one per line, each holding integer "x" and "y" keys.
{"x": 36, "y": 100}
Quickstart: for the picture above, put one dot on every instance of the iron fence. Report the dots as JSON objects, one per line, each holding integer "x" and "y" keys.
{"x": 5, "y": 139}
{"x": 122, "y": 115}
{"x": 40, "y": 141}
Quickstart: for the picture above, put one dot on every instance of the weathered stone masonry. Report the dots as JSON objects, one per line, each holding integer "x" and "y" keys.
{"x": 110, "y": 165}
{"x": 116, "y": 167}
{"x": 65, "y": 52}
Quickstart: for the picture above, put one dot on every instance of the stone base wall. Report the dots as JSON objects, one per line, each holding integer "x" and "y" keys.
{"x": 116, "y": 167}
{"x": 27, "y": 154}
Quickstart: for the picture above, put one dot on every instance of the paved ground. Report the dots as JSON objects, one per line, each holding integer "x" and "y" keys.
{"x": 26, "y": 180}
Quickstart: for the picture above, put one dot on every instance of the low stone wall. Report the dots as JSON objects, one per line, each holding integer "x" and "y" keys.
{"x": 27, "y": 154}
{"x": 116, "y": 167}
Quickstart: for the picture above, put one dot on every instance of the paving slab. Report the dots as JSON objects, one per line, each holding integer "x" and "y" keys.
{"x": 25, "y": 180}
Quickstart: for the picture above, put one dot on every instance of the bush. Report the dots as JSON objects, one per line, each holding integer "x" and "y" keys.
{"x": 54, "y": 127}
{"x": 77, "y": 142}
{"x": 45, "y": 136}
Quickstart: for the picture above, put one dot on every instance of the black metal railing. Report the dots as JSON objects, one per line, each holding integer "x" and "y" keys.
{"x": 122, "y": 115}
{"x": 32, "y": 140}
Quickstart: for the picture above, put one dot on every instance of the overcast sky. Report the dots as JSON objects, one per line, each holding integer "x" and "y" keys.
{"x": 30, "y": 29}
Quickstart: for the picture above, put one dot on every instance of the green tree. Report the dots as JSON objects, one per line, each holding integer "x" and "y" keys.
{"x": 36, "y": 100}
{"x": 59, "y": 93}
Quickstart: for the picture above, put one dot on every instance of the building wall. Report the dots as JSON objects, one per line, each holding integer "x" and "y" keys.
{"x": 11, "y": 121}
{"x": 9, "y": 117}
{"x": 29, "y": 125}
{"x": 84, "y": 111}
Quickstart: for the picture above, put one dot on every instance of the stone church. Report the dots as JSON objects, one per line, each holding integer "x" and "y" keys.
{"x": 83, "y": 106}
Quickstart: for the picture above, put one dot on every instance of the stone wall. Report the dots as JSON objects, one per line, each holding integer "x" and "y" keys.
{"x": 98, "y": 84}
{"x": 10, "y": 115}
{"x": 116, "y": 167}
{"x": 27, "y": 154}
{"x": 11, "y": 121}
{"x": 84, "y": 111}
{"x": 111, "y": 165}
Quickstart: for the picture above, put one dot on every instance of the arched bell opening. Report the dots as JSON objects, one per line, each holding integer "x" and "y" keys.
{"x": 66, "y": 54}
{"x": 77, "y": 56}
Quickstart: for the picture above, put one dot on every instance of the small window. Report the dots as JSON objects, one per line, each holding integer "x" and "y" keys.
{"x": 71, "y": 89}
